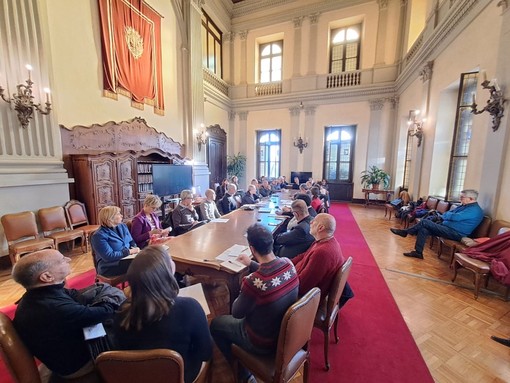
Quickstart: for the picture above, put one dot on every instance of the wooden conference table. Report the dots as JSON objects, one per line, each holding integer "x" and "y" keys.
{"x": 195, "y": 252}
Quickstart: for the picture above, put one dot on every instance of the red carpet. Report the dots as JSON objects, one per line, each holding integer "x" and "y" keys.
{"x": 375, "y": 344}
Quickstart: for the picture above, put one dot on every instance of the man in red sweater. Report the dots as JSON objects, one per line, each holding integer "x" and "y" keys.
{"x": 317, "y": 266}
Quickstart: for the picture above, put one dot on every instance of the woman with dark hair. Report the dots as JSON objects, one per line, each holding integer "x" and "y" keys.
{"x": 221, "y": 189}
{"x": 316, "y": 199}
{"x": 155, "y": 317}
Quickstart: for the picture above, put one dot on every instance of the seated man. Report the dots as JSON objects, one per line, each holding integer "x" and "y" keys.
{"x": 229, "y": 201}
{"x": 288, "y": 211}
{"x": 456, "y": 224}
{"x": 265, "y": 296}
{"x": 184, "y": 216}
{"x": 250, "y": 197}
{"x": 50, "y": 318}
{"x": 208, "y": 207}
{"x": 318, "y": 265}
{"x": 298, "y": 239}
{"x": 265, "y": 189}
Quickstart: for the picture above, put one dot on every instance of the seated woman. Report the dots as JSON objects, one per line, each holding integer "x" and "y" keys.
{"x": 155, "y": 317}
{"x": 112, "y": 242}
{"x": 251, "y": 196}
{"x": 221, "y": 189}
{"x": 145, "y": 224}
{"x": 208, "y": 207}
{"x": 316, "y": 198}
{"x": 184, "y": 216}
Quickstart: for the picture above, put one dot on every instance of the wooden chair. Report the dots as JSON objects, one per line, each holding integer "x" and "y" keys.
{"x": 292, "y": 350}
{"x": 155, "y": 366}
{"x": 77, "y": 218}
{"x": 117, "y": 280}
{"x": 482, "y": 230}
{"x": 22, "y": 235}
{"x": 21, "y": 363}
{"x": 54, "y": 226}
{"x": 327, "y": 314}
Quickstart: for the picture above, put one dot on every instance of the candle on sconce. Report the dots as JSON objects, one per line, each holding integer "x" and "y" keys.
{"x": 483, "y": 75}
{"x": 47, "y": 91}
{"x": 29, "y": 68}
{"x": 495, "y": 84}
{"x": 474, "y": 98}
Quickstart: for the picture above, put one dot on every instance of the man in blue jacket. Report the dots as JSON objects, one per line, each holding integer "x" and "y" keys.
{"x": 458, "y": 223}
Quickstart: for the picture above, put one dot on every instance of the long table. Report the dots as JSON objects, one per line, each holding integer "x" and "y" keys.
{"x": 195, "y": 252}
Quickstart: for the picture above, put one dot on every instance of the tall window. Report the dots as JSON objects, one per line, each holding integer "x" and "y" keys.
{"x": 339, "y": 153}
{"x": 345, "y": 49}
{"x": 268, "y": 153}
{"x": 211, "y": 45}
{"x": 407, "y": 163}
{"x": 461, "y": 136}
{"x": 271, "y": 57}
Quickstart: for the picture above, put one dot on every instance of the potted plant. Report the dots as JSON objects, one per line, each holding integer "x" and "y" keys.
{"x": 371, "y": 178}
{"x": 236, "y": 164}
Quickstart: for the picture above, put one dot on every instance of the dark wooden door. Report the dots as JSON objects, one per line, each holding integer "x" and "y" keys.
{"x": 216, "y": 154}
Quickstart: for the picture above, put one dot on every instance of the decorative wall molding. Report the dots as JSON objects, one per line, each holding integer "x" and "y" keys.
{"x": 298, "y": 21}
{"x": 231, "y": 116}
{"x": 243, "y": 116}
{"x": 295, "y": 111}
{"x": 314, "y": 17}
{"x": 426, "y": 71}
{"x": 376, "y": 104}
{"x": 310, "y": 110}
{"x": 383, "y": 4}
{"x": 243, "y": 35}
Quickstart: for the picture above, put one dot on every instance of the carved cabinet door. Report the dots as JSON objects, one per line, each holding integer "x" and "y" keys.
{"x": 126, "y": 177}
{"x": 103, "y": 181}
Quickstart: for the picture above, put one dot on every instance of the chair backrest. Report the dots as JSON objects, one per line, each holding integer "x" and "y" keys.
{"x": 442, "y": 207}
{"x": 17, "y": 358}
{"x": 296, "y": 328}
{"x": 337, "y": 286}
{"x": 432, "y": 202}
{"x": 52, "y": 218}
{"x": 321, "y": 208}
{"x": 405, "y": 197}
{"x": 76, "y": 213}
{"x": 497, "y": 226}
{"x": 19, "y": 225}
{"x": 155, "y": 366}
{"x": 482, "y": 230}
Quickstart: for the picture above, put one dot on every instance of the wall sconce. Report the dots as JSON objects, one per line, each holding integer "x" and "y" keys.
{"x": 301, "y": 106}
{"x": 300, "y": 144}
{"x": 23, "y": 100}
{"x": 201, "y": 137}
{"x": 415, "y": 126}
{"x": 494, "y": 104}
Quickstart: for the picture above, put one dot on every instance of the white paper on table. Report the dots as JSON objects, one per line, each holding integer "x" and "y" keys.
{"x": 233, "y": 265}
{"x": 131, "y": 256}
{"x": 264, "y": 210}
{"x": 220, "y": 220}
{"x": 196, "y": 292}
{"x": 232, "y": 252}
{"x": 93, "y": 332}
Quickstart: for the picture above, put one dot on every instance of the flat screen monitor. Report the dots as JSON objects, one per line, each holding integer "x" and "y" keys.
{"x": 303, "y": 176}
{"x": 171, "y": 179}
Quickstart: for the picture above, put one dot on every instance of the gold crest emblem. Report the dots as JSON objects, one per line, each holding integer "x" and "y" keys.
{"x": 134, "y": 42}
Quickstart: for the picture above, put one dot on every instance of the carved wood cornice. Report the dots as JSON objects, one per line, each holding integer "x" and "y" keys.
{"x": 216, "y": 130}
{"x": 134, "y": 135}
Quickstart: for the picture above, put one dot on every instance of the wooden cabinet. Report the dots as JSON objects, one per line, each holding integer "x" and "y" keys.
{"x": 121, "y": 179}
{"x": 106, "y": 179}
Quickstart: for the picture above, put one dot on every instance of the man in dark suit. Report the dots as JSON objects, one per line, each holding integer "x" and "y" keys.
{"x": 298, "y": 239}
{"x": 229, "y": 201}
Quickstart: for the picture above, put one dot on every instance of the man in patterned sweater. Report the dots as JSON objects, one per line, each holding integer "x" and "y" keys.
{"x": 265, "y": 296}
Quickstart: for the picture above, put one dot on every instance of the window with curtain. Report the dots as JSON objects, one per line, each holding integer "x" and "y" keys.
{"x": 211, "y": 45}
{"x": 268, "y": 153}
{"x": 339, "y": 153}
{"x": 270, "y": 61}
{"x": 461, "y": 136}
{"x": 345, "y": 49}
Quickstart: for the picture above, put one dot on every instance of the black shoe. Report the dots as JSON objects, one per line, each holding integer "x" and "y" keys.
{"x": 414, "y": 254}
{"x": 399, "y": 232}
{"x": 503, "y": 341}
